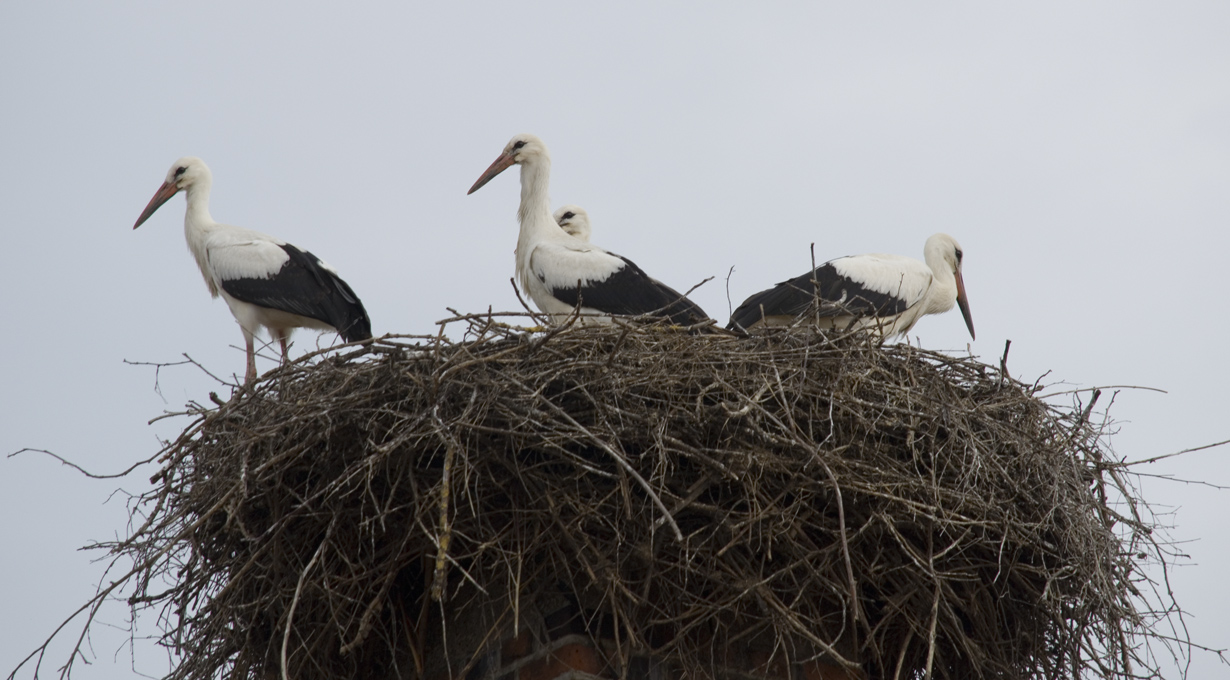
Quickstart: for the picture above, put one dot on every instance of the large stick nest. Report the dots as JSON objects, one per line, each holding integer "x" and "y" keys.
{"x": 809, "y": 494}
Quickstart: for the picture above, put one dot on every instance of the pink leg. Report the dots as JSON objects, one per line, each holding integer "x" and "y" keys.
{"x": 283, "y": 336}
{"x": 251, "y": 374}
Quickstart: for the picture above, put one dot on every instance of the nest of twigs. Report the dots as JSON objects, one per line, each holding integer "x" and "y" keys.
{"x": 397, "y": 510}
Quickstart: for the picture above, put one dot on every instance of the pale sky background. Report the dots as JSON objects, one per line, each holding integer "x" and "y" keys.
{"x": 1080, "y": 151}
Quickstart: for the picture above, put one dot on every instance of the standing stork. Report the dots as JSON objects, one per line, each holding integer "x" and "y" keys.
{"x": 264, "y": 280}
{"x": 560, "y": 271}
{"x": 886, "y": 293}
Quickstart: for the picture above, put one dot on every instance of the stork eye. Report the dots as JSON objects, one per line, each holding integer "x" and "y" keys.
{"x": 569, "y": 215}
{"x": 181, "y": 170}
{"x": 518, "y": 145}
{"x": 959, "y": 254}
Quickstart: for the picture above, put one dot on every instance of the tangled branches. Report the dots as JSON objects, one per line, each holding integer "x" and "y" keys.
{"x": 896, "y": 510}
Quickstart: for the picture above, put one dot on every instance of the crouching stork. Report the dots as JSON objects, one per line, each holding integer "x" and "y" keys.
{"x": 887, "y": 294}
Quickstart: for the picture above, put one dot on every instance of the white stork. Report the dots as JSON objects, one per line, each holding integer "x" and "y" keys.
{"x": 887, "y": 293}
{"x": 559, "y": 271}
{"x": 264, "y": 280}
{"x": 574, "y": 220}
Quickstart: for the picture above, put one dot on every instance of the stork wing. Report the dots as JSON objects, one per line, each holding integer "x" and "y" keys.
{"x": 609, "y": 283}
{"x": 283, "y": 277}
{"x": 861, "y": 286}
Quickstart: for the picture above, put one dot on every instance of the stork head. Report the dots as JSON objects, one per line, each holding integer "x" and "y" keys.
{"x": 524, "y": 148}
{"x": 184, "y": 173}
{"x": 574, "y": 220}
{"x": 942, "y": 252}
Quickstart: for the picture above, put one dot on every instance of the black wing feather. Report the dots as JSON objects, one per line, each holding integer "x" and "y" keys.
{"x": 302, "y": 286}
{"x": 630, "y": 291}
{"x": 838, "y": 296}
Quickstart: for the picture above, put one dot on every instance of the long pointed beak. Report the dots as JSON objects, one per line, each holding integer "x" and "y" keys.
{"x": 165, "y": 192}
{"x": 500, "y": 165}
{"x": 963, "y": 303}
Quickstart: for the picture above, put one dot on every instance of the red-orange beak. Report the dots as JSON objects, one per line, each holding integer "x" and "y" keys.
{"x": 165, "y": 192}
{"x": 963, "y": 303}
{"x": 500, "y": 165}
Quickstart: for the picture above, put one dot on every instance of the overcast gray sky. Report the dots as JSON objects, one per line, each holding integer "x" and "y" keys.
{"x": 1080, "y": 151}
